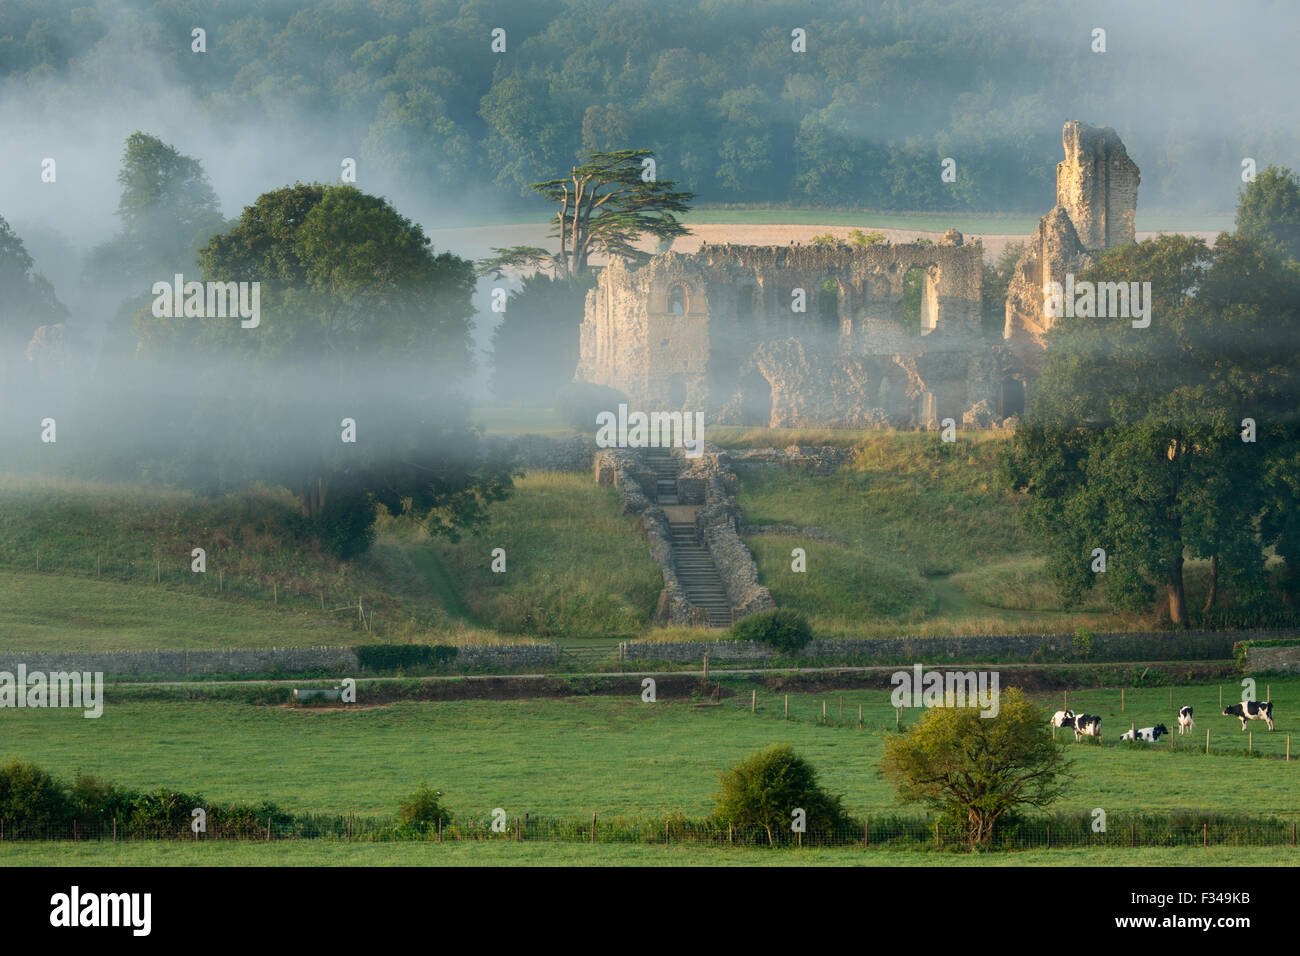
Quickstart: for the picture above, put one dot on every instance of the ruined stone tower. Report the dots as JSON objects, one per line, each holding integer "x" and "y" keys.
{"x": 1096, "y": 201}
{"x": 883, "y": 335}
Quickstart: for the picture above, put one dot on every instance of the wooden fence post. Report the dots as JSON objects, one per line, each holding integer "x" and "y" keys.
{"x": 1121, "y": 700}
{"x": 593, "y": 827}
{"x": 787, "y": 706}
{"x": 753, "y": 701}
{"x": 1207, "y": 741}
{"x": 936, "y": 832}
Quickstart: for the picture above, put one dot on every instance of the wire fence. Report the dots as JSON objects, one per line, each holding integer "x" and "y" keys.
{"x": 286, "y": 588}
{"x": 882, "y": 831}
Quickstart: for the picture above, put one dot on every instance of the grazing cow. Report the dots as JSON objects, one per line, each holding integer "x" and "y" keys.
{"x": 1063, "y": 718}
{"x": 1086, "y": 725}
{"x": 1185, "y": 722}
{"x": 1251, "y": 710}
{"x": 1150, "y": 734}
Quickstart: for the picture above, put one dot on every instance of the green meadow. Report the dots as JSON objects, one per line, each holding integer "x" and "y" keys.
{"x": 619, "y": 757}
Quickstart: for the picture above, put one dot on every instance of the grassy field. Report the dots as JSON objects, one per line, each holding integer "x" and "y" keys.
{"x": 927, "y": 542}
{"x": 320, "y": 853}
{"x": 575, "y": 566}
{"x": 619, "y": 757}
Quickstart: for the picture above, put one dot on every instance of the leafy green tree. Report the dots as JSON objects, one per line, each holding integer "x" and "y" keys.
{"x": 27, "y": 301}
{"x": 977, "y": 770}
{"x": 1268, "y": 211}
{"x": 605, "y": 206}
{"x": 535, "y": 346}
{"x": 765, "y": 788}
{"x": 343, "y": 275}
{"x": 167, "y": 208}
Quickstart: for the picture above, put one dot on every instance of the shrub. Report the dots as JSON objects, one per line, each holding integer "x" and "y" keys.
{"x": 422, "y": 811}
{"x": 30, "y": 799}
{"x": 579, "y": 403}
{"x": 782, "y": 629}
{"x": 1083, "y": 643}
{"x": 765, "y": 788}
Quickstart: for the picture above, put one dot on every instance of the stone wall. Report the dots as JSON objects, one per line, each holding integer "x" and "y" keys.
{"x": 716, "y": 332}
{"x": 1273, "y": 660}
{"x": 289, "y": 660}
{"x": 1148, "y": 646}
{"x": 544, "y": 453}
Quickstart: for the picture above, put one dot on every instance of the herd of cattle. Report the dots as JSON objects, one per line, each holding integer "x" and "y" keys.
{"x": 1089, "y": 725}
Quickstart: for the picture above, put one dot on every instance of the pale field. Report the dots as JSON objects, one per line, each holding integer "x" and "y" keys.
{"x": 478, "y": 241}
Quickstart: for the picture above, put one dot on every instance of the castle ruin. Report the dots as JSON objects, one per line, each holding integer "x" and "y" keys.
{"x": 879, "y": 335}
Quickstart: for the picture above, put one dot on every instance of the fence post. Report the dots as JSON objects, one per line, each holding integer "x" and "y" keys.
{"x": 115, "y": 829}
{"x": 593, "y": 828}
{"x": 667, "y": 838}
{"x": 859, "y": 715}
{"x": 841, "y": 709}
{"x": 1250, "y": 741}
{"x": 936, "y": 832}
{"x": 1207, "y": 739}
{"x": 706, "y": 666}
{"x": 823, "y": 710}
{"x": 787, "y": 706}
{"x": 753, "y": 701}
{"x": 268, "y": 826}
{"x": 1121, "y": 700}
{"x": 1049, "y": 836}
{"x": 439, "y": 829}
{"x": 1205, "y": 834}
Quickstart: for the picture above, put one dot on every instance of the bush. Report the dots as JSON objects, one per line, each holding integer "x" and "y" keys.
{"x": 423, "y": 811}
{"x": 1082, "y": 643}
{"x": 781, "y": 629}
{"x": 387, "y": 657}
{"x": 579, "y": 403}
{"x": 762, "y": 791}
{"x": 31, "y": 800}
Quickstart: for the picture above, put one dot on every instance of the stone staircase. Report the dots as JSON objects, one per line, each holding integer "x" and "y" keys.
{"x": 695, "y": 568}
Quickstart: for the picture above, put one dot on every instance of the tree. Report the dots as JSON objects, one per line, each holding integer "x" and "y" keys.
{"x": 168, "y": 209}
{"x": 606, "y": 205}
{"x": 976, "y": 770}
{"x": 27, "y": 303}
{"x": 343, "y": 275}
{"x": 535, "y": 346}
{"x": 1268, "y": 211}
{"x": 765, "y": 788}
{"x": 1107, "y": 449}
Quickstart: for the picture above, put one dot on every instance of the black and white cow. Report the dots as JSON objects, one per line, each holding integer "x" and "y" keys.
{"x": 1086, "y": 725}
{"x": 1063, "y": 718}
{"x": 1150, "y": 734}
{"x": 1185, "y": 722}
{"x": 1251, "y": 710}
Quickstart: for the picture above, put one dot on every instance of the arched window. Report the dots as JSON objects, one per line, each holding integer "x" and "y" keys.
{"x": 677, "y": 300}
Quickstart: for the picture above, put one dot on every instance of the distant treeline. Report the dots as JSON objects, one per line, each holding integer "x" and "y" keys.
{"x": 863, "y": 116}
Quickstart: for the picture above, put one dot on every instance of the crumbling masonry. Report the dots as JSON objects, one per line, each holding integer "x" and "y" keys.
{"x": 822, "y": 335}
